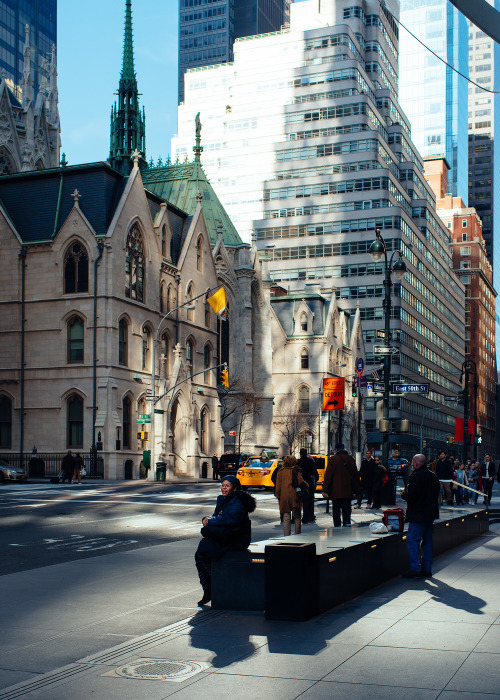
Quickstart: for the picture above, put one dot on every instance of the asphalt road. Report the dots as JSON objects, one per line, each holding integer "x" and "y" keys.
{"x": 44, "y": 524}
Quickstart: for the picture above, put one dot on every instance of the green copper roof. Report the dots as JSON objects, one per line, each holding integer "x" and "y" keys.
{"x": 180, "y": 183}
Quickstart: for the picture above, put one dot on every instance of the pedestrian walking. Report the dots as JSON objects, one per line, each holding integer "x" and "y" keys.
{"x": 422, "y": 498}
{"x": 77, "y": 468}
{"x": 229, "y": 529}
{"x": 340, "y": 482}
{"x": 215, "y": 467}
{"x": 310, "y": 474}
{"x": 67, "y": 467}
{"x": 367, "y": 475}
{"x": 489, "y": 472}
{"x": 289, "y": 483}
{"x": 379, "y": 479}
{"x": 461, "y": 478}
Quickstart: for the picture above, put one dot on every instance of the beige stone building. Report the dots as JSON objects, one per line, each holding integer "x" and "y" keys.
{"x": 93, "y": 262}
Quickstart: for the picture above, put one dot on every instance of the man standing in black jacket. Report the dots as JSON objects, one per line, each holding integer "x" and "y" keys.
{"x": 310, "y": 475}
{"x": 422, "y": 497}
{"x": 488, "y": 472}
{"x": 367, "y": 474}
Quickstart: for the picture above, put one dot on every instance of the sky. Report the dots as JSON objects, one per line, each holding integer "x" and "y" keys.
{"x": 90, "y": 49}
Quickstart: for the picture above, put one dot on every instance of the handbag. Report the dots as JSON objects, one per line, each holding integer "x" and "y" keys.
{"x": 83, "y": 471}
{"x": 302, "y": 491}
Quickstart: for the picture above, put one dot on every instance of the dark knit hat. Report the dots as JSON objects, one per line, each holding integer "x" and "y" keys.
{"x": 232, "y": 480}
{"x": 339, "y": 446}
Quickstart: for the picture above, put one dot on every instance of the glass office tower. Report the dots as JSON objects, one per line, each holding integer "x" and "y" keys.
{"x": 432, "y": 95}
{"x": 41, "y": 16}
{"x": 306, "y": 145}
{"x": 208, "y": 28}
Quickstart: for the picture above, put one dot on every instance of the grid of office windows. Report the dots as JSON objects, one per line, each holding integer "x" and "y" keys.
{"x": 41, "y": 17}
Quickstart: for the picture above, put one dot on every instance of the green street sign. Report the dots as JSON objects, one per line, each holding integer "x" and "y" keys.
{"x": 144, "y": 418}
{"x": 159, "y": 410}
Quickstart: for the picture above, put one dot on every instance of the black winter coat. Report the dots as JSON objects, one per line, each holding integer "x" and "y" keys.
{"x": 231, "y": 513}
{"x": 308, "y": 467}
{"x": 444, "y": 469}
{"x": 422, "y": 496}
{"x": 367, "y": 473}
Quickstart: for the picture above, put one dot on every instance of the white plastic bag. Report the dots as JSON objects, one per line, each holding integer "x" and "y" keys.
{"x": 378, "y": 528}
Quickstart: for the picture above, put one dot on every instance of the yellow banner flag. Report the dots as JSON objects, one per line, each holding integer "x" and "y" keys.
{"x": 218, "y": 300}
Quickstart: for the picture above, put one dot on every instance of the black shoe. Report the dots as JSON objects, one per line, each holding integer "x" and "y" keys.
{"x": 411, "y": 574}
{"x": 426, "y": 574}
{"x": 207, "y": 597}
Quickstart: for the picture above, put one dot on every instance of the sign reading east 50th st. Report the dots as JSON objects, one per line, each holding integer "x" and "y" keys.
{"x": 410, "y": 388}
{"x": 333, "y": 394}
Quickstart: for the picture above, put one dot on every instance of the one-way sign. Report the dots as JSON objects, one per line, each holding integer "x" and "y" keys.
{"x": 385, "y": 350}
{"x": 451, "y": 398}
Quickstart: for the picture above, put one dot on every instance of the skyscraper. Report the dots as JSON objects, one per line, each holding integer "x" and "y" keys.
{"x": 208, "y": 28}
{"x": 41, "y": 17}
{"x": 308, "y": 149}
{"x": 432, "y": 95}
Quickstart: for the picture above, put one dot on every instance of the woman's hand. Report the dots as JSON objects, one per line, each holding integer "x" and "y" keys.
{"x": 324, "y": 494}
{"x": 204, "y": 521}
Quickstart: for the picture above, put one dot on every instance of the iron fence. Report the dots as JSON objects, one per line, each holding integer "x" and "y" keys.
{"x": 47, "y": 465}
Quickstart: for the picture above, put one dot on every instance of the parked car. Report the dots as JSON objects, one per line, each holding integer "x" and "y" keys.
{"x": 230, "y": 462}
{"x": 396, "y": 464}
{"x": 10, "y": 473}
{"x": 259, "y": 472}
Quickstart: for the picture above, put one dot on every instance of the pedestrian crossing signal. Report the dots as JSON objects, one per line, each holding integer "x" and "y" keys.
{"x": 143, "y": 435}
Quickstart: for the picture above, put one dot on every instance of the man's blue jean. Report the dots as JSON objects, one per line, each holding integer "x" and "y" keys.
{"x": 420, "y": 534}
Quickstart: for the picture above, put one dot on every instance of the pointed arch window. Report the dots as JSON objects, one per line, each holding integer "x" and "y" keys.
{"x": 74, "y": 412}
{"x": 189, "y": 351}
{"x": 170, "y": 305}
{"x": 165, "y": 351}
{"x": 146, "y": 347}
{"x": 134, "y": 265}
{"x": 164, "y": 241}
{"x": 303, "y": 400}
{"x": 190, "y": 295}
{"x": 207, "y": 354}
{"x": 162, "y": 298}
{"x": 204, "y": 423}
{"x": 207, "y": 314}
{"x": 303, "y": 322}
{"x": 126, "y": 421}
{"x": 75, "y": 340}
{"x": 122, "y": 342}
{"x": 199, "y": 261}
{"x": 304, "y": 359}
{"x": 5, "y": 422}
{"x": 76, "y": 269}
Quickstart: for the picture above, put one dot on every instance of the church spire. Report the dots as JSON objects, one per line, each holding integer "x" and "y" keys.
{"x": 128, "y": 130}
{"x": 27, "y": 78}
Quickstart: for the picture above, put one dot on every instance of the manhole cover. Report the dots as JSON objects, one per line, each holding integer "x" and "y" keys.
{"x": 160, "y": 670}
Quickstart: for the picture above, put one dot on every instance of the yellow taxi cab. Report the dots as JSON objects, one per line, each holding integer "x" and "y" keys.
{"x": 258, "y": 471}
{"x": 320, "y": 462}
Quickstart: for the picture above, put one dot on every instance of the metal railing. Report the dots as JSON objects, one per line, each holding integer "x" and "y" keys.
{"x": 47, "y": 465}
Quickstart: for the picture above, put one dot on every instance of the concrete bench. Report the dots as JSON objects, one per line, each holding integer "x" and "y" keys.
{"x": 347, "y": 562}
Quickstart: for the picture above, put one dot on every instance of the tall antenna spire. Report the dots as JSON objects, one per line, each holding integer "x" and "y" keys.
{"x": 128, "y": 122}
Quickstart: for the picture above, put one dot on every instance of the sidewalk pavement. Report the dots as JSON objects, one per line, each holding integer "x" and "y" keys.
{"x": 90, "y": 628}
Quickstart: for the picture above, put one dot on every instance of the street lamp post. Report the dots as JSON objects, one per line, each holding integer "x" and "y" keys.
{"x": 398, "y": 268}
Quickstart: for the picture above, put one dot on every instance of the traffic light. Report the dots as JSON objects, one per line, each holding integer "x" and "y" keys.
{"x": 355, "y": 387}
{"x": 143, "y": 435}
{"x": 461, "y": 397}
{"x": 450, "y": 439}
{"x": 224, "y": 376}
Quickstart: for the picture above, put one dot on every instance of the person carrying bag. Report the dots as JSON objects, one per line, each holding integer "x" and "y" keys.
{"x": 290, "y": 487}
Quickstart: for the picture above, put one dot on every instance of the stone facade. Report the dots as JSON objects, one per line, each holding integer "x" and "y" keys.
{"x": 58, "y": 386}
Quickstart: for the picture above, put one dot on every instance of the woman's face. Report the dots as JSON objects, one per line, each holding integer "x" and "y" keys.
{"x": 227, "y": 487}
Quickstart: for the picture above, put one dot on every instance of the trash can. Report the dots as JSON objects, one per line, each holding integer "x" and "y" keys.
{"x": 161, "y": 471}
{"x": 291, "y": 570}
{"x": 389, "y": 489}
{"x": 204, "y": 470}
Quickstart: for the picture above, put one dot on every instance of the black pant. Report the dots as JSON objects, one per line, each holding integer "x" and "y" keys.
{"x": 66, "y": 476}
{"x": 377, "y": 496}
{"x": 308, "y": 502}
{"x": 344, "y": 505}
{"x": 488, "y": 488}
{"x": 365, "y": 491}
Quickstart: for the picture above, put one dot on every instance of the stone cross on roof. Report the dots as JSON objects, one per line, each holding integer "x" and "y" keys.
{"x": 76, "y": 196}
{"x": 135, "y": 157}
{"x": 199, "y": 197}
